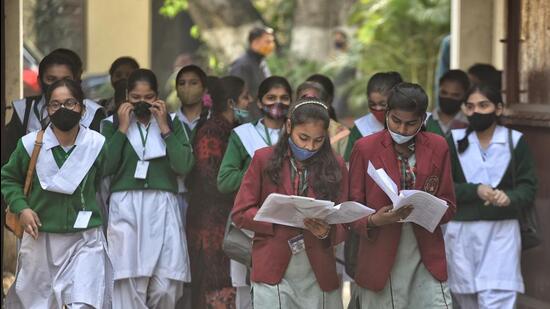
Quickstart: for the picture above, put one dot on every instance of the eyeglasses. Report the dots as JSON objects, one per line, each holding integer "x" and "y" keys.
{"x": 68, "y": 104}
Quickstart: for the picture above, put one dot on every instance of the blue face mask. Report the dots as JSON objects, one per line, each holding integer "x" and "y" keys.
{"x": 241, "y": 115}
{"x": 300, "y": 154}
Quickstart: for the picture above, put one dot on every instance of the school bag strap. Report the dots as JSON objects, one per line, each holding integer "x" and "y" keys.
{"x": 12, "y": 220}
{"x": 28, "y": 108}
{"x": 528, "y": 220}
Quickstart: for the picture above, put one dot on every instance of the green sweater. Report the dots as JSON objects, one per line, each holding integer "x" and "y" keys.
{"x": 433, "y": 126}
{"x": 234, "y": 164}
{"x": 56, "y": 211}
{"x": 162, "y": 172}
{"x": 353, "y": 137}
{"x": 470, "y": 207}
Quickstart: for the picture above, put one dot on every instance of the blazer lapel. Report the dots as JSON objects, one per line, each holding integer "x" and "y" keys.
{"x": 389, "y": 160}
{"x": 423, "y": 154}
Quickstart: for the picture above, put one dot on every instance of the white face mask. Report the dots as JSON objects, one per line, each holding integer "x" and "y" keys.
{"x": 402, "y": 139}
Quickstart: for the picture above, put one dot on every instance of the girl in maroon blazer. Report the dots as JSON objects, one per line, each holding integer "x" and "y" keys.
{"x": 293, "y": 267}
{"x": 401, "y": 265}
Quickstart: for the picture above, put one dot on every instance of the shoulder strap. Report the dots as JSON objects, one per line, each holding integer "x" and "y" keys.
{"x": 32, "y": 163}
{"x": 28, "y": 107}
{"x": 512, "y": 157}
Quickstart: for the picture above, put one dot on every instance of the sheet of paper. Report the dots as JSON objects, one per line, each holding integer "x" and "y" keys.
{"x": 428, "y": 209}
{"x": 292, "y": 210}
{"x": 384, "y": 181}
{"x": 348, "y": 212}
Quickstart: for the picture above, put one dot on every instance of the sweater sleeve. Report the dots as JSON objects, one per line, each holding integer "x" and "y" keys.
{"x": 13, "y": 178}
{"x": 523, "y": 194}
{"x": 179, "y": 151}
{"x": 353, "y": 137}
{"x": 249, "y": 200}
{"x": 233, "y": 165}
{"x": 114, "y": 140}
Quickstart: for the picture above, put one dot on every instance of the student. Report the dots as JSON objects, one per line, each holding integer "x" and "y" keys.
{"x": 208, "y": 208}
{"x": 401, "y": 265}
{"x": 293, "y": 267}
{"x": 191, "y": 89}
{"x": 147, "y": 149}
{"x": 274, "y": 97}
{"x": 486, "y": 74}
{"x": 120, "y": 69}
{"x": 30, "y": 113}
{"x": 94, "y": 112}
{"x": 483, "y": 241}
{"x": 378, "y": 89}
{"x": 338, "y": 133}
{"x": 453, "y": 87}
{"x": 62, "y": 263}
{"x": 239, "y": 95}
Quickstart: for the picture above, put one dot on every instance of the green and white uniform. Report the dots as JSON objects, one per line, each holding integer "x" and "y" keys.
{"x": 65, "y": 265}
{"x": 243, "y": 142}
{"x": 145, "y": 230}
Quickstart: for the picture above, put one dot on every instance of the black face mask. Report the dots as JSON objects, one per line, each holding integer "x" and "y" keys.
{"x": 44, "y": 86}
{"x": 449, "y": 106}
{"x": 65, "y": 119}
{"x": 141, "y": 109}
{"x": 481, "y": 122}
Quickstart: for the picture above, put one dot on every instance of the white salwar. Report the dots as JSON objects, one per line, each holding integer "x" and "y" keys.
{"x": 298, "y": 289}
{"x": 484, "y": 257}
{"x": 148, "y": 246}
{"x": 73, "y": 270}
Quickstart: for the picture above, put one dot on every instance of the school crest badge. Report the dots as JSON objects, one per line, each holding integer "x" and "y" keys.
{"x": 432, "y": 184}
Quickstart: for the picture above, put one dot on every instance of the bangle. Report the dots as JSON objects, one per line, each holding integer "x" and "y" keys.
{"x": 165, "y": 136}
{"x": 326, "y": 234}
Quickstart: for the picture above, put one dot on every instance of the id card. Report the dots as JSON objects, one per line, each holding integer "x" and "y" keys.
{"x": 82, "y": 219}
{"x": 141, "y": 169}
{"x": 297, "y": 244}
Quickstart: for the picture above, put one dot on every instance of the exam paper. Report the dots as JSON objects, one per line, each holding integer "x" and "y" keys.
{"x": 291, "y": 210}
{"x": 428, "y": 209}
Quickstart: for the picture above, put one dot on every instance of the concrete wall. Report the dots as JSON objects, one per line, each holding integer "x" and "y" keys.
{"x": 476, "y": 30}
{"x": 117, "y": 28}
{"x": 14, "y": 46}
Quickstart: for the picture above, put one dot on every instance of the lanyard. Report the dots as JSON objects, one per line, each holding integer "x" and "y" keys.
{"x": 267, "y": 138}
{"x": 299, "y": 179}
{"x": 143, "y": 139}
{"x": 82, "y": 191}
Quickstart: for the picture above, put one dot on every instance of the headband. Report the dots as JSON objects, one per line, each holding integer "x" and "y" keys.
{"x": 309, "y": 102}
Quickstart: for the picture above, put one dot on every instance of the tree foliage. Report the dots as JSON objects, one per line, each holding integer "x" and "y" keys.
{"x": 397, "y": 35}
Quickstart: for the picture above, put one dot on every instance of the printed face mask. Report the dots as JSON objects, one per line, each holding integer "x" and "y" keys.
{"x": 275, "y": 111}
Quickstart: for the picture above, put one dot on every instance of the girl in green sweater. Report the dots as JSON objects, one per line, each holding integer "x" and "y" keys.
{"x": 147, "y": 150}
{"x": 63, "y": 259}
{"x": 483, "y": 243}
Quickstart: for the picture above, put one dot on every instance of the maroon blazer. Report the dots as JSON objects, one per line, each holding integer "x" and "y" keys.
{"x": 270, "y": 250}
{"x": 378, "y": 247}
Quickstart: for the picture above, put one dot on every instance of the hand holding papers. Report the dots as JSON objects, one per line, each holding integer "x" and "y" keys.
{"x": 428, "y": 209}
{"x": 291, "y": 210}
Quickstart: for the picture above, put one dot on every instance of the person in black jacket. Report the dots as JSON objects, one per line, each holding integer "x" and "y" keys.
{"x": 251, "y": 66}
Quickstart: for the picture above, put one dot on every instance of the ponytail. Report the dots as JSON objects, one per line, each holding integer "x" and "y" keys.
{"x": 464, "y": 143}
